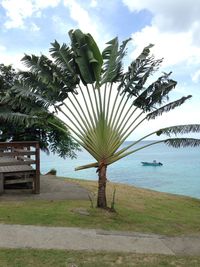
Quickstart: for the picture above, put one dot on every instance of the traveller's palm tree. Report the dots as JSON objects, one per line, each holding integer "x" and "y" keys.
{"x": 99, "y": 102}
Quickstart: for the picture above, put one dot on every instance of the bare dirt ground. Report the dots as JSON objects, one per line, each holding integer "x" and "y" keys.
{"x": 51, "y": 188}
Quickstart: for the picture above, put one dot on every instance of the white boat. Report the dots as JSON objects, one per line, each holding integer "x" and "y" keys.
{"x": 154, "y": 163}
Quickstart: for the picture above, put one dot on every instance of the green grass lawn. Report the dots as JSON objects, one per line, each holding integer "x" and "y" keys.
{"x": 59, "y": 258}
{"x": 137, "y": 210}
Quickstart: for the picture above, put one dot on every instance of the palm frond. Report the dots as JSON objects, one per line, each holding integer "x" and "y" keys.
{"x": 179, "y": 129}
{"x": 121, "y": 55}
{"x": 23, "y": 91}
{"x": 113, "y": 55}
{"x": 156, "y": 93}
{"x": 31, "y": 80}
{"x": 30, "y": 61}
{"x": 6, "y": 115}
{"x": 138, "y": 72}
{"x": 182, "y": 142}
{"x": 167, "y": 107}
{"x": 41, "y": 66}
{"x": 63, "y": 57}
{"x": 109, "y": 55}
{"x": 55, "y": 88}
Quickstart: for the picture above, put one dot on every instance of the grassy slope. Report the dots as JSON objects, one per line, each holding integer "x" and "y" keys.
{"x": 137, "y": 210}
{"x": 52, "y": 258}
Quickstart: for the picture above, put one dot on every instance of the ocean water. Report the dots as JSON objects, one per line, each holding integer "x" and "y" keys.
{"x": 180, "y": 173}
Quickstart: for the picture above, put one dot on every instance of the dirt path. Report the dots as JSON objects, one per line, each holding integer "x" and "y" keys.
{"x": 52, "y": 188}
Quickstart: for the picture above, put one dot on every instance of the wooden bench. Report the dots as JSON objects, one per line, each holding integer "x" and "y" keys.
{"x": 16, "y": 164}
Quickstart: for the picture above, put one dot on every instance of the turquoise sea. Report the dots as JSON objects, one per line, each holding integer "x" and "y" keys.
{"x": 180, "y": 173}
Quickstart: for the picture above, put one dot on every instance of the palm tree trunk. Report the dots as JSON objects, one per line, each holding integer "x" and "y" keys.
{"x": 101, "y": 199}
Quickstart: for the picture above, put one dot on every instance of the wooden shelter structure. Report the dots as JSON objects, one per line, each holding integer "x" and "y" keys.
{"x": 20, "y": 165}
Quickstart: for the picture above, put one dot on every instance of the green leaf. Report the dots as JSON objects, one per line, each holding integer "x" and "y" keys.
{"x": 182, "y": 142}
{"x": 138, "y": 72}
{"x": 87, "y": 56}
{"x": 112, "y": 68}
{"x": 63, "y": 57}
{"x": 167, "y": 107}
{"x": 155, "y": 94}
{"x": 179, "y": 129}
{"x": 95, "y": 57}
{"x": 7, "y": 115}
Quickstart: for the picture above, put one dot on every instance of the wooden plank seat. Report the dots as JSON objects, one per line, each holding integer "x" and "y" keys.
{"x": 16, "y": 169}
{"x": 17, "y": 174}
{"x": 13, "y": 161}
{"x": 16, "y": 165}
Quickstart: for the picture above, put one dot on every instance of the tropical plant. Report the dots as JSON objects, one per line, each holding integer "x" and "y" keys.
{"x": 101, "y": 103}
{"x": 34, "y": 124}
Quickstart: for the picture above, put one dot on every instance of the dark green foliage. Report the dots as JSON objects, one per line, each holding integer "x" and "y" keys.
{"x": 63, "y": 57}
{"x": 179, "y": 129}
{"x": 7, "y": 77}
{"x": 167, "y": 107}
{"x": 46, "y": 78}
{"x": 138, "y": 72}
{"x": 24, "y": 116}
{"x": 113, "y": 55}
{"x": 182, "y": 142}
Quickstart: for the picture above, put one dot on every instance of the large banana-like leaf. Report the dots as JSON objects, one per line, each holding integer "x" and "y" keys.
{"x": 94, "y": 56}
{"x": 87, "y": 56}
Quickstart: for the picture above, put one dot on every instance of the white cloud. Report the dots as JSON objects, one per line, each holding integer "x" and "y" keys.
{"x": 18, "y": 11}
{"x": 196, "y": 76}
{"x": 87, "y": 22}
{"x": 12, "y": 59}
{"x": 169, "y": 15}
{"x": 174, "y": 30}
{"x": 2, "y": 48}
{"x": 34, "y": 27}
{"x": 81, "y": 16}
{"x": 40, "y": 4}
{"x": 176, "y": 48}
{"x": 61, "y": 26}
{"x": 93, "y": 3}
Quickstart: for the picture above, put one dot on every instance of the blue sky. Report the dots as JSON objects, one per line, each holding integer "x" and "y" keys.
{"x": 29, "y": 26}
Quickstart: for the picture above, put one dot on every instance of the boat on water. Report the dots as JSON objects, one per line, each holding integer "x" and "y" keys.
{"x": 154, "y": 163}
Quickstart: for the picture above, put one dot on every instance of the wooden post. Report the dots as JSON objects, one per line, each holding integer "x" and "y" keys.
{"x": 1, "y": 183}
{"x": 37, "y": 176}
